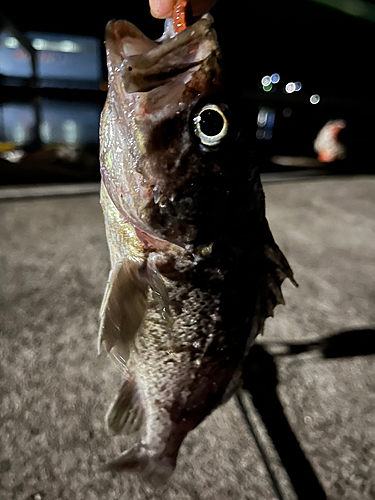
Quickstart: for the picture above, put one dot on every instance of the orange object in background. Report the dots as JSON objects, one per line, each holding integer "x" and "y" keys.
{"x": 327, "y": 143}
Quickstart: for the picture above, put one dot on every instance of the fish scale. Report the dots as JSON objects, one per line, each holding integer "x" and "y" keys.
{"x": 168, "y": 355}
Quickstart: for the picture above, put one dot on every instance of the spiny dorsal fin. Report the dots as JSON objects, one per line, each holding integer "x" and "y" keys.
{"x": 278, "y": 263}
{"x": 277, "y": 270}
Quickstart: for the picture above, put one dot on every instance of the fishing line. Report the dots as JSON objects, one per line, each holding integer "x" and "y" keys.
{"x": 257, "y": 440}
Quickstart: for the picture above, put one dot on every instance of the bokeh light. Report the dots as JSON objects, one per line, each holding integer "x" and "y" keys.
{"x": 290, "y": 87}
{"x": 315, "y": 98}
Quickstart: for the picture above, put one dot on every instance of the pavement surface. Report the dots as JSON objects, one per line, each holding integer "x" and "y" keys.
{"x": 306, "y": 426}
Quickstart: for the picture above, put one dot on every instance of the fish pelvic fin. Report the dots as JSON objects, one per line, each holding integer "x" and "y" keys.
{"x": 155, "y": 469}
{"x": 126, "y": 413}
{"x": 123, "y": 308}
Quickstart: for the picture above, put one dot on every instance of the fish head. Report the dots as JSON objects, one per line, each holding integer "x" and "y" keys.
{"x": 163, "y": 129}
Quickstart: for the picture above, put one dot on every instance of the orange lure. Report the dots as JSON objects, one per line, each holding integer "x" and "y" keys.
{"x": 180, "y": 16}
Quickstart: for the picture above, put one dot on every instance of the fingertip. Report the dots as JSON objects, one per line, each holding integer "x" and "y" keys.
{"x": 161, "y": 9}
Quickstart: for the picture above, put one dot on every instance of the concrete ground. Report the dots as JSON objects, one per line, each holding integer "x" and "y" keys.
{"x": 309, "y": 393}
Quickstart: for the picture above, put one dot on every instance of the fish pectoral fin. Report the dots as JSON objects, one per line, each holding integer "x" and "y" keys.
{"x": 123, "y": 308}
{"x": 126, "y": 412}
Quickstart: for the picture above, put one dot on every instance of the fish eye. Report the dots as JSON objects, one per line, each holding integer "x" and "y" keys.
{"x": 210, "y": 124}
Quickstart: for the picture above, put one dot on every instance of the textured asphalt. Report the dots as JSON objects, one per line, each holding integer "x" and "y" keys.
{"x": 309, "y": 394}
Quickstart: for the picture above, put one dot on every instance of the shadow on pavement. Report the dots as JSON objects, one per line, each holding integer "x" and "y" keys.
{"x": 340, "y": 345}
{"x": 261, "y": 379}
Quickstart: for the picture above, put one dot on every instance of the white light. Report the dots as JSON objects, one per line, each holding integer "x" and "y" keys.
{"x": 262, "y": 117}
{"x": 298, "y": 86}
{"x": 69, "y": 46}
{"x": 45, "y": 132}
{"x": 70, "y": 131}
{"x": 56, "y": 46}
{"x": 314, "y": 99}
{"x": 275, "y": 78}
{"x": 290, "y": 87}
{"x": 13, "y": 156}
{"x": 266, "y": 80}
{"x": 11, "y": 42}
{"x": 19, "y": 133}
{"x": 39, "y": 44}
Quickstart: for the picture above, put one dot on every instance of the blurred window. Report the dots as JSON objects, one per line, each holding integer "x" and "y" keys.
{"x": 62, "y": 60}
{"x": 14, "y": 59}
{"x": 61, "y": 122}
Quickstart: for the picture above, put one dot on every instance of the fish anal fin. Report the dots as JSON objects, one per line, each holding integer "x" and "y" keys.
{"x": 125, "y": 415}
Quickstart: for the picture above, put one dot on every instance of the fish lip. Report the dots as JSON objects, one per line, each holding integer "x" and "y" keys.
{"x": 145, "y": 64}
{"x": 118, "y": 30}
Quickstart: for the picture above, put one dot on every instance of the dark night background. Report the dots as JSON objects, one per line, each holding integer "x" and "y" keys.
{"x": 304, "y": 424}
{"x": 326, "y": 49}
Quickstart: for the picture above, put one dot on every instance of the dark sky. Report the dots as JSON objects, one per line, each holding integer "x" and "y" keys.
{"x": 77, "y": 17}
{"x": 300, "y": 38}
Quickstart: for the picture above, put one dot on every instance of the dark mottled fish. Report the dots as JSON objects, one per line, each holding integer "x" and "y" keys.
{"x": 195, "y": 269}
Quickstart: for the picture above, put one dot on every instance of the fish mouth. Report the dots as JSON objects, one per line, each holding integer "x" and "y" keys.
{"x": 146, "y": 64}
{"x": 152, "y": 83}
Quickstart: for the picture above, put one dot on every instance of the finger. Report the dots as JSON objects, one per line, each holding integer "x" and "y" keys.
{"x": 161, "y": 9}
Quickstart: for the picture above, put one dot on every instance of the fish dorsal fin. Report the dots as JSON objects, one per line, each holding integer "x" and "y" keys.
{"x": 277, "y": 269}
{"x": 126, "y": 412}
{"x": 123, "y": 308}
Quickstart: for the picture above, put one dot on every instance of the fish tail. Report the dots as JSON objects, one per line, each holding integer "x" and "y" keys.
{"x": 155, "y": 469}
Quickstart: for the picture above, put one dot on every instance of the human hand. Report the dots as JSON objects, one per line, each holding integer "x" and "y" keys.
{"x": 161, "y": 9}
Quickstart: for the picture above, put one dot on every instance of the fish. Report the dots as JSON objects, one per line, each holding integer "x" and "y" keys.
{"x": 195, "y": 270}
